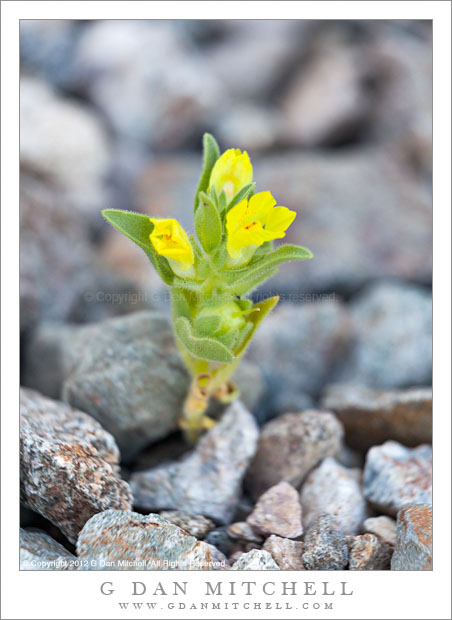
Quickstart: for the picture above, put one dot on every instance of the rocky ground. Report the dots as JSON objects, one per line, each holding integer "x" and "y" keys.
{"x": 325, "y": 463}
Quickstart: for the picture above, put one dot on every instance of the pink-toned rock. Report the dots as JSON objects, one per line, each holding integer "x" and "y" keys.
{"x": 383, "y": 526}
{"x": 369, "y": 552}
{"x": 278, "y": 511}
{"x": 286, "y": 553}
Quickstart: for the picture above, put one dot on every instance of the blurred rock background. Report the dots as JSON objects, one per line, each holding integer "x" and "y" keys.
{"x": 337, "y": 117}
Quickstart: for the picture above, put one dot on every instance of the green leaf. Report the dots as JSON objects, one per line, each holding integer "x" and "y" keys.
{"x": 211, "y": 154}
{"x": 138, "y": 227}
{"x": 250, "y": 281}
{"x": 179, "y": 304}
{"x": 207, "y": 325}
{"x": 246, "y": 329}
{"x": 230, "y": 338}
{"x": 241, "y": 195}
{"x": 203, "y": 348}
{"x": 222, "y": 201}
{"x": 237, "y": 278}
{"x": 208, "y": 224}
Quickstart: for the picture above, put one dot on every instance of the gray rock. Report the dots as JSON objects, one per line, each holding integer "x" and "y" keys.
{"x": 371, "y": 417}
{"x": 286, "y": 553}
{"x": 196, "y": 525}
{"x": 248, "y": 126}
{"x": 383, "y": 527}
{"x": 393, "y": 337}
{"x": 256, "y": 559}
{"x": 220, "y": 539}
{"x": 390, "y": 236}
{"x": 38, "y": 551}
{"x": 278, "y": 511}
{"x": 297, "y": 350}
{"x": 290, "y": 446}
{"x": 218, "y": 561}
{"x": 325, "y": 547}
{"x": 207, "y": 480}
{"x": 123, "y": 540}
{"x": 334, "y": 490}
{"x": 395, "y": 476}
{"x": 68, "y": 464}
{"x": 413, "y": 549}
{"x": 369, "y": 552}
{"x": 243, "y": 531}
{"x": 125, "y": 372}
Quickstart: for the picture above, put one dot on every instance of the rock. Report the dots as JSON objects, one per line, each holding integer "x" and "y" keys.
{"x": 38, "y": 551}
{"x": 62, "y": 140}
{"x": 278, "y": 511}
{"x": 325, "y": 547}
{"x": 297, "y": 350}
{"x": 195, "y": 525}
{"x": 257, "y": 559}
{"x": 125, "y": 372}
{"x": 218, "y": 561}
{"x": 248, "y": 126}
{"x": 123, "y": 540}
{"x": 393, "y": 337}
{"x": 369, "y": 552}
{"x": 334, "y": 490}
{"x": 286, "y": 553}
{"x": 244, "y": 532}
{"x": 383, "y": 527}
{"x": 208, "y": 479}
{"x": 220, "y": 539}
{"x": 413, "y": 549}
{"x": 353, "y": 245}
{"x": 395, "y": 476}
{"x": 290, "y": 446}
{"x": 119, "y": 65}
{"x": 68, "y": 464}
{"x": 371, "y": 417}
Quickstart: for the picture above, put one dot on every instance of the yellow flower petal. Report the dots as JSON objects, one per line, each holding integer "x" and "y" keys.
{"x": 170, "y": 240}
{"x": 278, "y": 221}
{"x": 231, "y": 172}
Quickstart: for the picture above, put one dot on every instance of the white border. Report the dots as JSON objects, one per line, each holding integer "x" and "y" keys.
{"x": 377, "y": 595}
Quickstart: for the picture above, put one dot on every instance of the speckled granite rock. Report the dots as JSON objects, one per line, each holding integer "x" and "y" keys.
{"x": 325, "y": 547}
{"x": 38, "y": 551}
{"x": 371, "y": 417}
{"x": 207, "y": 480}
{"x": 278, "y": 511}
{"x": 123, "y": 540}
{"x": 290, "y": 446}
{"x": 195, "y": 525}
{"x": 395, "y": 476}
{"x": 369, "y": 552}
{"x": 286, "y": 553}
{"x": 257, "y": 559}
{"x": 125, "y": 372}
{"x": 334, "y": 490}
{"x": 413, "y": 549}
{"x": 68, "y": 464}
{"x": 383, "y": 527}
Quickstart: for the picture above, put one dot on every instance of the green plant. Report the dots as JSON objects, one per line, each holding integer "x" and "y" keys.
{"x": 211, "y": 278}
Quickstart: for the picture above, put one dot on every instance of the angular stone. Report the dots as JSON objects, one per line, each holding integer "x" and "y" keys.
{"x": 290, "y": 446}
{"x": 125, "y": 372}
{"x": 286, "y": 553}
{"x": 334, "y": 490}
{"x": 68, "y": 464}
{"x": 207, "y": 480}
{"x": 278, "y": 511}
{"x": 413, "y": 549}
{"x": 369, "y": 552}
{"x": 395, "y": 476}
{"x": 220, "y": 539}
{"x": 371, "y": 417}
{"x": 257, "y": 559}
{"x": 218, "y": 561}
{"x": 123, "y": 540}
{"x": 325, "y": 547}
{"x": 244, "y": 532}
{"x": 195, "y": 525}
{"x": 383, "y": 527}
{"x": 38, "y": 551}
{"x": 393, "y": 337}
{"x": 297, "y": 350}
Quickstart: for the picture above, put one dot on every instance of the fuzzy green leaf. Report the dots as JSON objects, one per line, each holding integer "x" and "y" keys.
{"x": 203, "y": 348}
{"x": 138, "y": 227}
{"x": 230, "y": 338}
{"x": 211, "y": 154}
{"x": 179, "y": 304}
{"x": 207, "y": 325}
{"x": 250, "y": 281}
{"x": 241, "y": 195}
{"x": 208, "y": 224}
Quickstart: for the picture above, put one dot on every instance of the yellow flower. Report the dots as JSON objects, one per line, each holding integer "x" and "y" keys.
{"x": 252, "y": 222}
{"x": 170, "y": 240}
{"x": 231, "y": 172}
